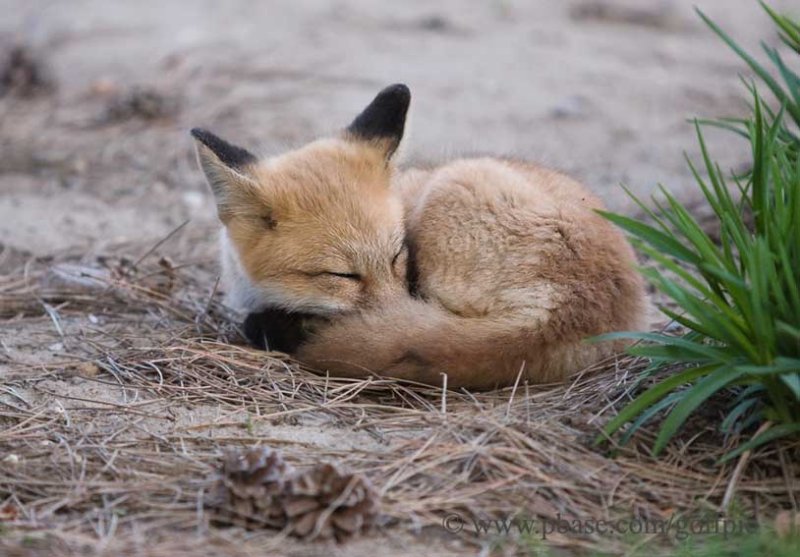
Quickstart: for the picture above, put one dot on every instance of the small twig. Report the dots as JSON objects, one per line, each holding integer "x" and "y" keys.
{"x": 730, "y": 490}
{"x": 160, "y": 243}
{"x": 514, "y": 389}
{"x": 444, "y": 394}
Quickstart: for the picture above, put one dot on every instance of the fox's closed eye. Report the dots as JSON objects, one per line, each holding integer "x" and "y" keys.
{"x": 350, "y": 276}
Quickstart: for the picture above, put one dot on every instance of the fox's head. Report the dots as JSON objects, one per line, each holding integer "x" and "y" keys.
{"x": 317, "y": 229}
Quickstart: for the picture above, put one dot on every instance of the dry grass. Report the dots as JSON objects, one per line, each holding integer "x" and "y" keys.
{"x": 108, "y": 446}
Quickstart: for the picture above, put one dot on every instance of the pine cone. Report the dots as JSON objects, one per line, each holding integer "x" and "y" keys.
{"x": 248, "y": 489}
{"x": 323, "y": 503}
{"x": 258, "y": 489}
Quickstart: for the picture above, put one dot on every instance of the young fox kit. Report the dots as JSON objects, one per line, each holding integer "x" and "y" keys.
{"x": 482, "y": 269}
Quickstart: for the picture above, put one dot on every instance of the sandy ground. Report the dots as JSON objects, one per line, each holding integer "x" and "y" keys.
{"x": 602, "y": 95}
{"x": 602, "y": 90}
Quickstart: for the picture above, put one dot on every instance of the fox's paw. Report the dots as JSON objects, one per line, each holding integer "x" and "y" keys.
{"x": 276, "y": 330}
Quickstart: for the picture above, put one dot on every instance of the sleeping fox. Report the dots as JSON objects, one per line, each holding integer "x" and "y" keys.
{"x": 482, "y": 269}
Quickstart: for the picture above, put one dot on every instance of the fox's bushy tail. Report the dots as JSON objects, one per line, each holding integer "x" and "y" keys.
{"x": 420, "y": 341}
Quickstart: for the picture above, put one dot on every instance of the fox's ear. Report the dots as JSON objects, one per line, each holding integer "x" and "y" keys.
{"x": 384, "y": 119}
{"x": 226, "y": 167}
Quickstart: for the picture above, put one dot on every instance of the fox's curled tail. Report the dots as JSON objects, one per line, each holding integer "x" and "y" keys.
{"x": 419, "y": 341}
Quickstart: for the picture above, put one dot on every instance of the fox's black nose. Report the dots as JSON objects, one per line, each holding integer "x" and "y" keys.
{"x": 276, "y": 330}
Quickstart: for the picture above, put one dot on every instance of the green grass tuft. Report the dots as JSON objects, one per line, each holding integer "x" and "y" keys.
{"x": 739, "y": 297}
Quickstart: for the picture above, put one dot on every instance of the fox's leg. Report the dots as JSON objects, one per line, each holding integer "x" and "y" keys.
{"x": 277, "y": 330}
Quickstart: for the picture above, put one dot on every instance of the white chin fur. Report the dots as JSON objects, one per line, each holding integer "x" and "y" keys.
{"x": 243, "y": 296}
{"x": 240, "y": 294}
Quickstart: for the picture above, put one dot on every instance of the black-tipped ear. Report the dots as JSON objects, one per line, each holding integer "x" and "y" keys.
{"x": 230, "y": 155}
{"x": 384, "y": 119}
{"x": 225, "y": 167}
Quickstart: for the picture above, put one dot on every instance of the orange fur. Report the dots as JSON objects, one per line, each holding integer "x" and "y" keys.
{"x": 515, "y": 268}
{"x": 333, "y": 212}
